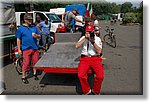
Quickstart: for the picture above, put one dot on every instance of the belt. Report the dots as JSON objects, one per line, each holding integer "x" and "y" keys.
{"x": 90, "y": 56}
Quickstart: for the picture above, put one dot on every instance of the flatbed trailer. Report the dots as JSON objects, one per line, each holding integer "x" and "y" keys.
{"x": 62, "y": 57}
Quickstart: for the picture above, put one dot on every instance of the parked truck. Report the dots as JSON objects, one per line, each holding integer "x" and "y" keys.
{"x": 8, "y": 28}
{"x": 56, "y": 23}
{"x": 58, "y": 11}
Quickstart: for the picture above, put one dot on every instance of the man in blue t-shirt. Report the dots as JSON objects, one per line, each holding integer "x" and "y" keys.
{"x": 27, "y": 36}
{"x": 45, "y": 30}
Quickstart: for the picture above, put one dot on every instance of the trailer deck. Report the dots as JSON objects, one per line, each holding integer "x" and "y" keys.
{"x": 62, "y": 57}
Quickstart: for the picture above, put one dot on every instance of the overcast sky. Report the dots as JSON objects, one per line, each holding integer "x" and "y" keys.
{"x": 134, "y": 2}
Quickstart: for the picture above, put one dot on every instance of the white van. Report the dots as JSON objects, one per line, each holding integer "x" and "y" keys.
{"x": 58, "y": 11}
{"x": 43, "y": 15}
{"x": 57, "y": 21}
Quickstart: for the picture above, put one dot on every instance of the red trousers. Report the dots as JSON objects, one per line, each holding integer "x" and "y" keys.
{"x": 85, "y": 64}
{"x": 28, "y": 56}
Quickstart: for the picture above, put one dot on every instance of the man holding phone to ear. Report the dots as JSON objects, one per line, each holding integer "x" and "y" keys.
{"x": 90, "y": 58}
{"x": 27, "y": 35}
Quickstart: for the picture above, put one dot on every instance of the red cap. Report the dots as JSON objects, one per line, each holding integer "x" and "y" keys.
{"x": 89, "y": 28}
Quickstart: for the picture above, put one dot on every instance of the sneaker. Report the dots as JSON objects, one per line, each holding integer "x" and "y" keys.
{"x": 35, "y": 77}
{"x": 25, "y": 81}
{"x": 93, "y": 93}
{"x": 88, "y": 93}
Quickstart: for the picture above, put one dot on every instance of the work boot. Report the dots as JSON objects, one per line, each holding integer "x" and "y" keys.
{"x": 35, "y": 77}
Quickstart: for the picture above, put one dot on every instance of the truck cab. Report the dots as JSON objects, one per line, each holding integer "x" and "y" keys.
{"x": 57, "y": 22}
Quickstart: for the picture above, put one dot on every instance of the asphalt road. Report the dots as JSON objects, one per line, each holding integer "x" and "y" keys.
{"x": 123, "y": 67}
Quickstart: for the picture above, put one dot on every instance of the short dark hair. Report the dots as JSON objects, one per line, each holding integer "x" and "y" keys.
{"x": 76, "y": 10}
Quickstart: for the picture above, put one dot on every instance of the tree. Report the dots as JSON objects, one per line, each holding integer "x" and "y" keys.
{"x": 126, "y": 7}
{"x": 141, "y": 7}
{"x": 115, "y": 8}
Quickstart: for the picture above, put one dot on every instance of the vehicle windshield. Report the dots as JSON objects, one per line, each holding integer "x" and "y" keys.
{"x": 53, "y": 18}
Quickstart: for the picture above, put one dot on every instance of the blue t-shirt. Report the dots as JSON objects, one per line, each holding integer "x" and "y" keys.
{"x": 45, "y": 27}
{"x": 24, "y": 33}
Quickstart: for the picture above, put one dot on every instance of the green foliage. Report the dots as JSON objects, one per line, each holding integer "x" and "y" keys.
{"x": 128, "y": 18}
{"x": 104, "y": 17}
{"x": 21, "y": 7}
{"x": 105, "y": 8}
{"x": 132, "y": 18}
{"x": 47, "y": 6}
{"x": 102, "y": 9}
{"x": 115, "y": 8}
{"x": 135, "y": 17}
{"x": 140, "y": 18}
{"x": 126, "y": 7}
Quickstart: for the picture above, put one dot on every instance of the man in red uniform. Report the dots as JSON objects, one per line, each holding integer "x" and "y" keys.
{"x": 90, "y": 58}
